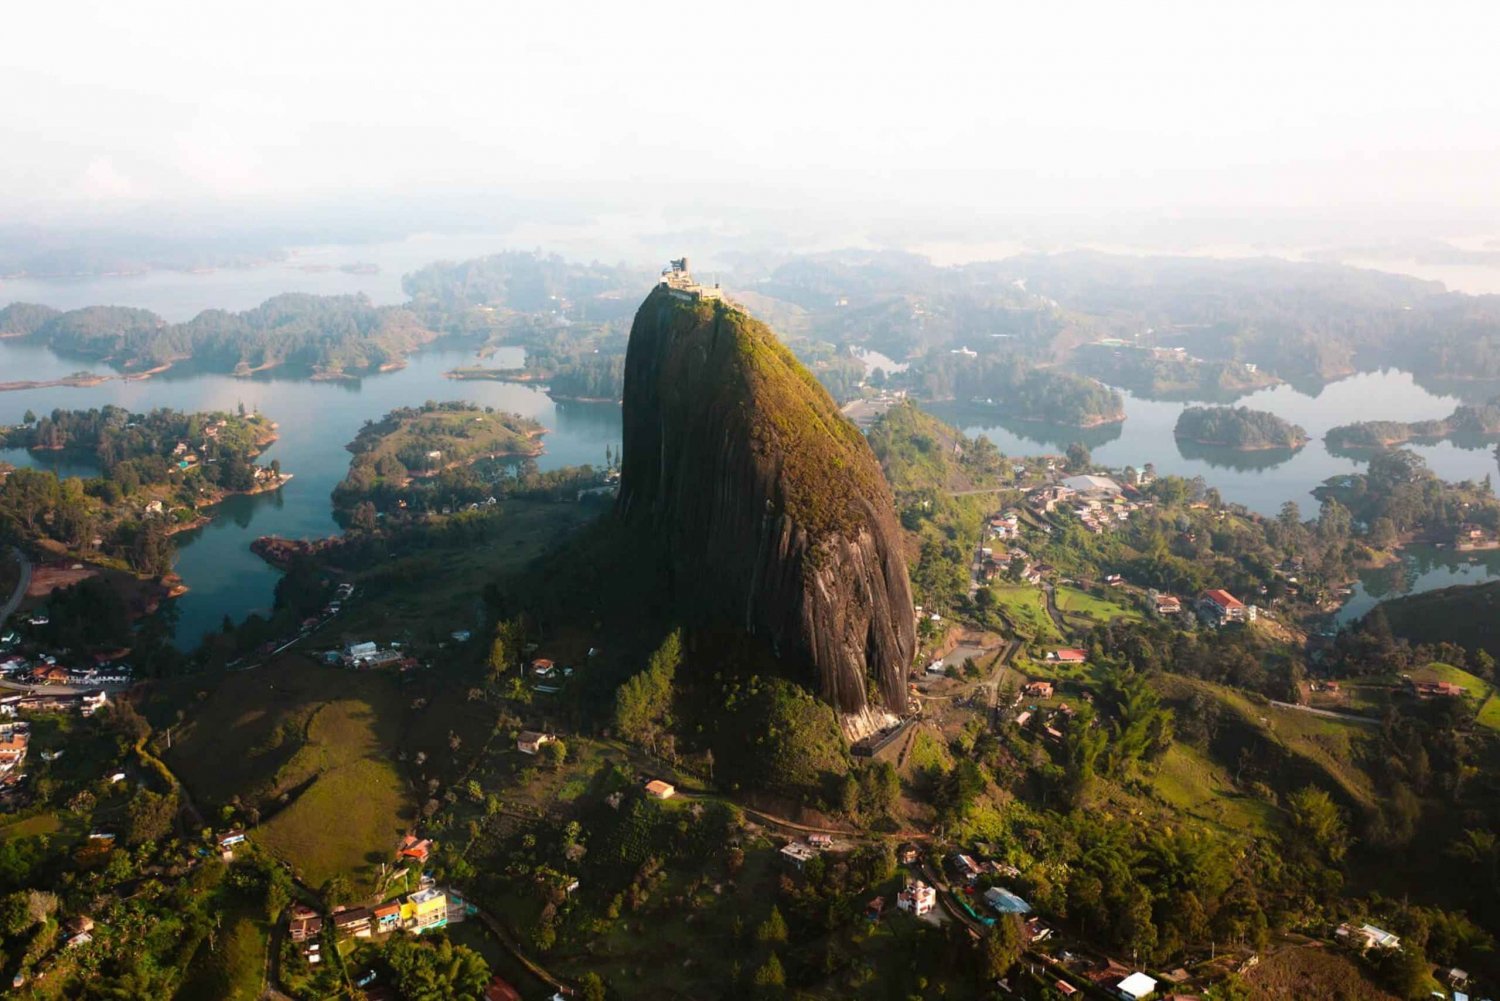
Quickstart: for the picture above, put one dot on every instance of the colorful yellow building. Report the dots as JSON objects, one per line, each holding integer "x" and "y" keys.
{"x": 424, "y": 910}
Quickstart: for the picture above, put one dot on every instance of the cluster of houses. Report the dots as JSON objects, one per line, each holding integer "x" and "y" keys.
{"x": 425, "y": 910}
{"x": 82, "y": 703}
{"x": 1047, "y": 718}
{"x": 14, "y": 740}
{"x": 992, "y": 565}
{"x": 45, "y": 670}
{"x": 1004, "y": 526}
{"x": 1097, "y": 501}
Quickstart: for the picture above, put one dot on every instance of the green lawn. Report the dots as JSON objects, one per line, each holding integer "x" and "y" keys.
{"x": 1481, "y": 694}
{"x": 314, "y": 749}
{"x": 348, "y": 821}
{"x": 1025, "y": 606}
{"x": 42, "y": 823}
{"x": 1489, "y": 713}
{"x": 1075, "y": 602}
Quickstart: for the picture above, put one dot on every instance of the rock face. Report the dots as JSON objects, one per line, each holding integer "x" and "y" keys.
{"x": 769, "y": 506}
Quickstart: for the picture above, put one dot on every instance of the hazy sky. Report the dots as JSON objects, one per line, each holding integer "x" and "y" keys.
{"x": 1061, "y": 105}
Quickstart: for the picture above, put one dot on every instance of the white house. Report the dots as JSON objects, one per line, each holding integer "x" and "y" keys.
{"x": 1135, "y": 987}
{"x": 918, "y": 898}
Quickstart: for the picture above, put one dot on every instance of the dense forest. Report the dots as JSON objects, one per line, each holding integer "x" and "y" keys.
{"x": 322, "y": 335}
{"x": 1238, "y": 427}
{"x": 1015, "y": 389}
{"x": 1397, "y": 493}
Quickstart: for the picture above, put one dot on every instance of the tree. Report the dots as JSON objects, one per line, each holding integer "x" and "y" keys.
{"x": 773, "y": 928}
{"x": 591, "y": 987}
{"x": 1079, "y": 457}
{"x": 643, "y": 704}
{"x": 770, "y": 978}
{"x": 554, "y": 753}
{"x": 1318, "y": 824}
{"x": 29, "y": 417}
{"x": 1000, "y": 948}
{"x": 149, "y": 816}
{"x": 436, "y": 969}
{"x": 364, "y": 517}
{"x": 336, "y": 890}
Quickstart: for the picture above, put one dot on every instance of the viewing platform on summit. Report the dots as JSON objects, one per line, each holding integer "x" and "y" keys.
{"x": 678, "y": 281}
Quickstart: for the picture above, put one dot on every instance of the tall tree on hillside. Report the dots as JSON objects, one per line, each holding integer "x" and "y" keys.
{"x": 643, "y": 705}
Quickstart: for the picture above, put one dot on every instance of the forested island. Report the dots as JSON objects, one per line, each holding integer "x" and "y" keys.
{"x": 418, "y": 459}
{"x": 324, "y": 336}
{"x": 157, "y": 471}
{"x": 1238, "y": 428}
{"x": 1471, "y": 421}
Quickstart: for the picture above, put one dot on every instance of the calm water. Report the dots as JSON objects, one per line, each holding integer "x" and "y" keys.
{"x": 1422, "y": 568}
{"x": 1263, "y": 481}
{"x": 317, "y": 420}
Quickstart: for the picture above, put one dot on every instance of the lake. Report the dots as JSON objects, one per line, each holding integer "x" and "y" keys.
{"x": 1263, "y": 481}
{"x": 1421, "y": 568}
{"x": 317, "y": 419}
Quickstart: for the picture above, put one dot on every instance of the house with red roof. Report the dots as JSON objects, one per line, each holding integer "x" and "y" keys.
{"x": 1219, "y": 607}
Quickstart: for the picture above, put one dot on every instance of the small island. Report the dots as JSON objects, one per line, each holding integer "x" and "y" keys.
{"x": 1477, "y": 422}
{"x": 1238, "y": 428}
{"x": 410, "y": 460}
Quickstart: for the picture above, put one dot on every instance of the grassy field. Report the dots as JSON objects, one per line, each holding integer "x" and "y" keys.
{"x": 348, "y": 821}
{"x": 1477, "y": 687}
{"x": 1025, "y": 607}
{"x": 314, "y": 748}
{"x": 232, "y": 968}
{"x": 1489, "y": 713}
{"x": 1188, "y": 781}
{"x": 1312, "y": 747}
{"x": 1072, "y": 601}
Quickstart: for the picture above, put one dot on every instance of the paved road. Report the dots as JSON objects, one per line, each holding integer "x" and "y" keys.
{"x": 21, "y": 585}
